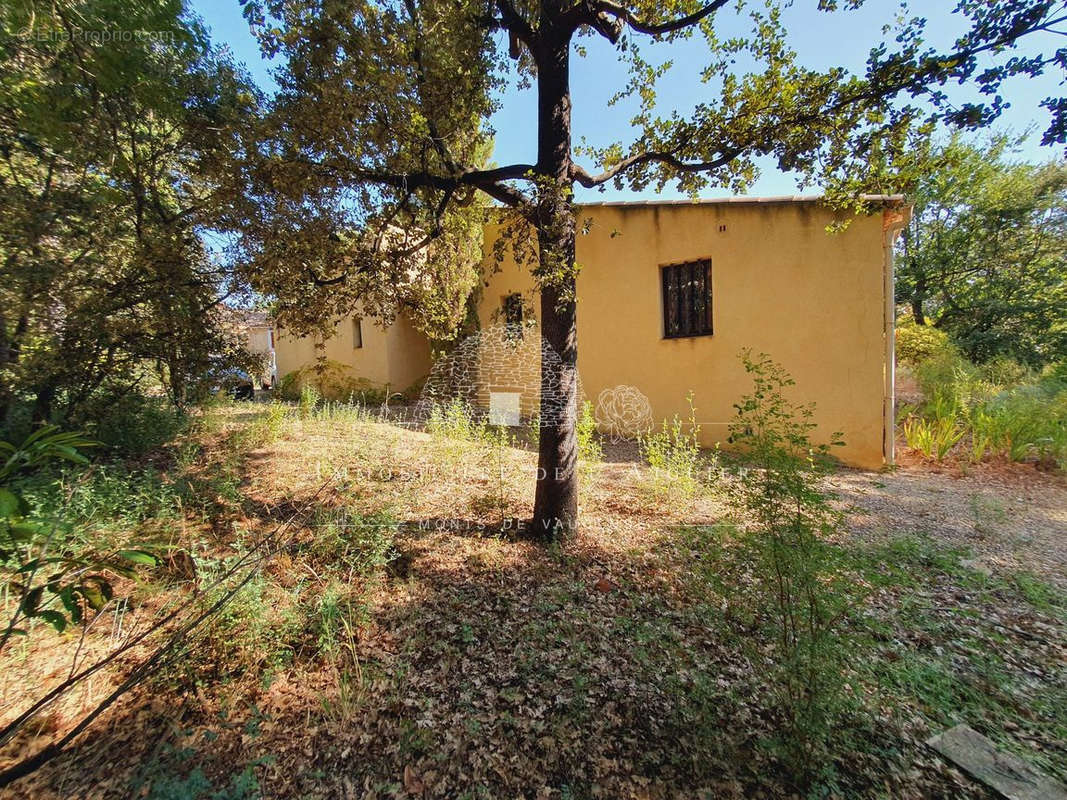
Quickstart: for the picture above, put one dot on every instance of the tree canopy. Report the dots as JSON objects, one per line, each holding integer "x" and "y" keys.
{"x": 985, "y": 255}
{"x": 111, "y": 157}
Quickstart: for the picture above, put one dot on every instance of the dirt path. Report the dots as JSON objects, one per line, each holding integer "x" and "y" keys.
{"x": 1010, "y": 520}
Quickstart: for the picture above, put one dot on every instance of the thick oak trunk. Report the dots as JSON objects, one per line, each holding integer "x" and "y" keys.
{"x": 556, "y": 499}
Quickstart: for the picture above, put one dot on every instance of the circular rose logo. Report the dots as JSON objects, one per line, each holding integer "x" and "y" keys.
{"x": 623, "y": 412}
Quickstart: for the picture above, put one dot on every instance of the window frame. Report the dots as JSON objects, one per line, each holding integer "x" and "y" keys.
{"x": 666, "y": 271}
{"x": 513, "y": 302}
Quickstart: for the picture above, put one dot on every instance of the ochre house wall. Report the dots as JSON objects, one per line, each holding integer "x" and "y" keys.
{"x": 410, "y": 355}
{"x": 395, "y": 356}
{"x": 781, "y": 284}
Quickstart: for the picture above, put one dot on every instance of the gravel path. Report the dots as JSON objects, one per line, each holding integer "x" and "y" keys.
{"x": 1010, "y": 519}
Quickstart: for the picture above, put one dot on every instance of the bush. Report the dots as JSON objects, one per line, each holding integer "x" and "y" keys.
{"x": 1004, "y": 371}
{"x": 1003, "y": 407}
{"x": 308, "y": 400}
{"x": 136, "y": 425}
{"x": 798, "y": 593}
{"x": 456, "y": 420}
{"x": 674, "y": 456}
{"x": 334, "y": 382}
{"x": 917, "y": 343}
{"x": 589, "y": 449}
{"x": 1057, "y": 372}
{"x": 941, "y": 373}
{"x": 1029, "y": 421}
{"x": 47, "y": 573}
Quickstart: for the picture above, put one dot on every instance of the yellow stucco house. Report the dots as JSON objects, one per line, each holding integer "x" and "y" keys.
{"x": 669, "y": 294}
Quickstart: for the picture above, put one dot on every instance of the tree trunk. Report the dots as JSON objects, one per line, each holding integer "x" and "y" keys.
{"x": 918, "y": 297}
{"x": 556, "y": 499}
{"x": 43, "y": 403}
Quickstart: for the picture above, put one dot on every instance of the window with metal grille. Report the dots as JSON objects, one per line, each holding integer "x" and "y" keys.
{"x": 512, "y": 308}
{"x": 687, "y": 299}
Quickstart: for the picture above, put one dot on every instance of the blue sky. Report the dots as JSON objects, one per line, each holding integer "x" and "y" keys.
{"x": 820, "y": 39}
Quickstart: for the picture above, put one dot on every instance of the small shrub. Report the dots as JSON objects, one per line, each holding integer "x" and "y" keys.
{"x": 917, "y": 343}
{"x": 799, "y": 594}
{"x": 288, "y": 387}
{"x": 533, "y": 430}
{"x": 589, "y": 449}
{"x": 1005, "y": 372}
{"x": 51, "y": 574}
{"x": 456, "y": 420}
{"x": 309, "y": 400}
{"x": 673, "y": 454}
{"x": 333, "y": 381}
{"x": 353, "y": 545}
{"x": 136, "y": 425}
{"x": 941, "y": 372}
{"x": 497, "y": 441}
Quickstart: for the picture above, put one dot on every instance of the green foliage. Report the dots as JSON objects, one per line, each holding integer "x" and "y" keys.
{"x": 112, "y": 167}
{"x": 136, "y": 425}
{"x": 590, "y": 453}
{"x": 48, "y": 579}
{"x": 497, "y": 442}
{"x": 168, "y": 776}
{"x": 455, "y": 420}
{"x": 917, "y": 343}
{"x": 45, "y": 444}
{"x": 798, "y": 593}
{"x": 108, "y": 497}
{"x": 331, "y": 381}
{"x": 1028, "y": 422}
{"x": 1004, "y": 372}
{"x": 589, "y": 448}
{"x": 353, "y": 546}
{"x": 933, "y": 438}
{"x": 983, "y": 256}
{"x": 939, "y": 374}
{"x": 1001, "y": 406}
{"x": 309, "y": 400}
{"x": 264, "y": 429}
{"x": 673, "y": 455}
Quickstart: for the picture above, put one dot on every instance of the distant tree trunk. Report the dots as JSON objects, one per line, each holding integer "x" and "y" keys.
{"x": 44, "y": 403}
{"x": 918, "y": 297}
{"x": 10, "y": 347}
{"x": 556, "y": 498}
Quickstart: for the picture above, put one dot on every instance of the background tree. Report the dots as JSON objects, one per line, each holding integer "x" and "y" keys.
{"x": 381, "y": 110}
{"x": 107, "y": 152}
{"x": 985, "y": 255}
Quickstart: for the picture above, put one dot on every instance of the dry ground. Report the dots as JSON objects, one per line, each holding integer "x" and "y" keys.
{"x": 476, "y": 664}
{"x": 1011, "y": 516}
